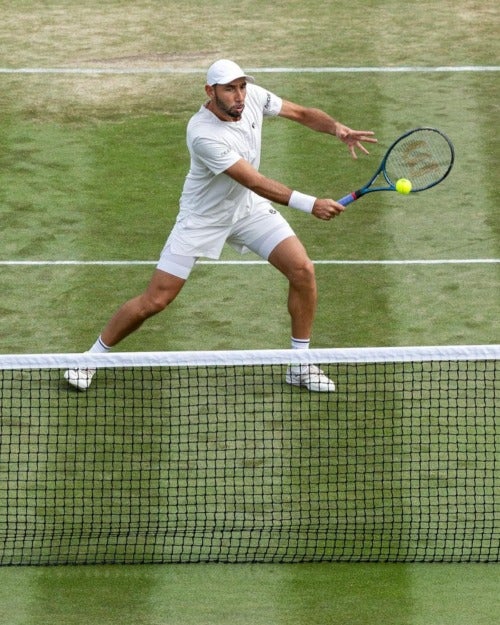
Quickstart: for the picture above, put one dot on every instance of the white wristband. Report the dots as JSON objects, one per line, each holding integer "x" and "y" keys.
{"x": 301, "y": 201}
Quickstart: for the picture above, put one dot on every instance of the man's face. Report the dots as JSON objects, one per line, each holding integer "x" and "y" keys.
{"x": 228, "y": 101}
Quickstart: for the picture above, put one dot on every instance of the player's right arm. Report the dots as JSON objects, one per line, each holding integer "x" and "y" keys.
{"x": 245, "y": 174}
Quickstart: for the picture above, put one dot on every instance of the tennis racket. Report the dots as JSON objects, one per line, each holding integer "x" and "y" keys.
{"x": 424, "y": 156}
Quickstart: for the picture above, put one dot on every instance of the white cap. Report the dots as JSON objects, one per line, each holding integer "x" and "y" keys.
{"x": 223, "y": 72}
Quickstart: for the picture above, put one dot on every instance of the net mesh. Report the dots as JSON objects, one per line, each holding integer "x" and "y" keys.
{"x": 193, "y": 457}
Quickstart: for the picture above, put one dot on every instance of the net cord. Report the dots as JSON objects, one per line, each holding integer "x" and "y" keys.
{"x": 250, "y": 357}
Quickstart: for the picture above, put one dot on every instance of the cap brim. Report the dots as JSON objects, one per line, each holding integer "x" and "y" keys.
{"x": 224, "y": 81}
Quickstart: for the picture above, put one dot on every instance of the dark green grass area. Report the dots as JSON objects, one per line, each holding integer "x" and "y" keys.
{"x": 298, "y": 594}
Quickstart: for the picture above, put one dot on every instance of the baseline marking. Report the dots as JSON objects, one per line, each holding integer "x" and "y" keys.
{"x": 264, "y": 70}
{"x": 457, "y": 261}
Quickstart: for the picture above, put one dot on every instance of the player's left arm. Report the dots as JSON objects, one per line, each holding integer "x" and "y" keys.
{"x": 318, "y": 120}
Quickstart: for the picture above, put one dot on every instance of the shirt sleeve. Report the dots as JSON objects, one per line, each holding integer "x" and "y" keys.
{"x": 271, "y": 103}
{"x": 215, "y": 155}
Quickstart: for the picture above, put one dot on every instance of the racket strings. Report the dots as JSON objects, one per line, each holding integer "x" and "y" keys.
{"x": 424, "y": 157}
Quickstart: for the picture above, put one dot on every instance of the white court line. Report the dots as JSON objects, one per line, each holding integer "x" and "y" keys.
{"x": 264, "y": 70}
{"x": 458, "y": 261}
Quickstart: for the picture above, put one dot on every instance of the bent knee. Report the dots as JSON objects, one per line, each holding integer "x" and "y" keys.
{"x": 151, "y": 304}
{"x": 303, "y": 273}
{"x": 162, "y": 290}
{"x": 157, "y": 304}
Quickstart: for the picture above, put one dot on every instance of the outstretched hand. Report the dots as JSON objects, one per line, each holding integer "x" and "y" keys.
{"x": 354, "y": 138}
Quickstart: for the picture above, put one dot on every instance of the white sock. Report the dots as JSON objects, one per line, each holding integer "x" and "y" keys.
{"x": 99, "y": 347}
{"x": 300, "y": 343}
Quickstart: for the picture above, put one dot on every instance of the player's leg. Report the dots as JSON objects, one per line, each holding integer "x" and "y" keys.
{"x": 161, "y": 291}
{"x": 267, "y": 233}
{"x": 166, "y": 283}
{"x": 270, "y": 236}
{"x": 290, "y": 257}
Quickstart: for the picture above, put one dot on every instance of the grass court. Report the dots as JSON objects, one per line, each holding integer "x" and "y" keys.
{"x": 95, "y": 100}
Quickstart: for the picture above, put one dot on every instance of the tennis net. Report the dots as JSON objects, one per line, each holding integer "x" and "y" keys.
{"x": 211, "y": 456}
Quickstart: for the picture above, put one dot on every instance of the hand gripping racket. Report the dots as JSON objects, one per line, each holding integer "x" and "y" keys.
{"x": 424, "y": 156}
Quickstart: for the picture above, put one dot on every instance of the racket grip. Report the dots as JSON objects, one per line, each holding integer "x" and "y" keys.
{"x": 347, "y": 199}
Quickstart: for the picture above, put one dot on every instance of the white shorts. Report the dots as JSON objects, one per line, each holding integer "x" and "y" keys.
{"x": 259, "y": 232}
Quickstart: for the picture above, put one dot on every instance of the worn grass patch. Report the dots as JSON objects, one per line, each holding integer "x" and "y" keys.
{"x": 152, "y": 33}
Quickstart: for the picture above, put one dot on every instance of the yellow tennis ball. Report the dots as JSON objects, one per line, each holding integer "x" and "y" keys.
{"x": 403, "y": 186}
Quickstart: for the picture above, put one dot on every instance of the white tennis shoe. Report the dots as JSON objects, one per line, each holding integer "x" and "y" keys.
{"x": 79, "y": 378}
{"x": 311, "y": 377}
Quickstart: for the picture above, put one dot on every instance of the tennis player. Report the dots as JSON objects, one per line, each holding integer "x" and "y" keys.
{"x": 226, "y": 200}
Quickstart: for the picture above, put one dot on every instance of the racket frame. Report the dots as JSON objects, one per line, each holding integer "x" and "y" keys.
{"x": 391, "y": 186}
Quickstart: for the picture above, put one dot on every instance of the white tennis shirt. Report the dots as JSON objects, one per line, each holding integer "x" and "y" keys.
{"x": 209, "y": 198}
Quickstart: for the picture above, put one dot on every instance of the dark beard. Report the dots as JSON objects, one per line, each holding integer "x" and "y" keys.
{"x": 227, "y": 111}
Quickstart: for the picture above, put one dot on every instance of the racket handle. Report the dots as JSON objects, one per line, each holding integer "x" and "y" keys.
{"x": 347, "y": 199}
